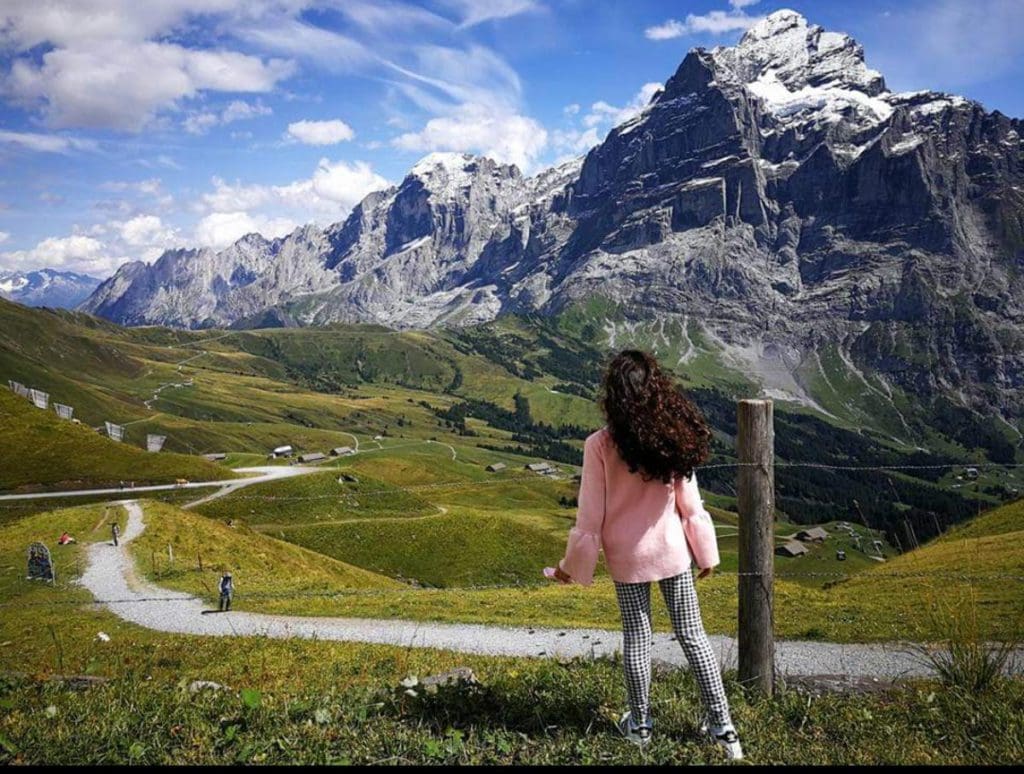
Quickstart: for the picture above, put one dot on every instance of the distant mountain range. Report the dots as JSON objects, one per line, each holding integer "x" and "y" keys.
{"x": 774, "y": 199}
{"x": 47, "y": 287}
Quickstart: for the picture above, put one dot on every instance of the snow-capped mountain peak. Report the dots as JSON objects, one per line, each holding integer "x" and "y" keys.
{"x": 774, "y": 190}
{"x": 799, "y": 55}
{"x": 447, "y": 175}
{"x": 47, "y": 287}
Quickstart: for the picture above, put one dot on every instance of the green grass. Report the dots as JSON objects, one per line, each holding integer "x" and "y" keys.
{"x": 259, "y": 564}
{"x": 457, "y": 548}
{"x": 42, "y": 452}
{"x": 525, "y": 712}
{"x": 319, "y": 497}
{"x": 326, "y": 702}
{"x": 1003, "y": 520}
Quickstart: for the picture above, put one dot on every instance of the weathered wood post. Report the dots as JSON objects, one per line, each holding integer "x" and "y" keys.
{"x": 755, "y": 489}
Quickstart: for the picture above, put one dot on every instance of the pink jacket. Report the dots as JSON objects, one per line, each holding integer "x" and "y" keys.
{"x": 648, "y": 529}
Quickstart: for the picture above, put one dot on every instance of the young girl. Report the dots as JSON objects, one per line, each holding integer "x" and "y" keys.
{"x": 639, "y": 501}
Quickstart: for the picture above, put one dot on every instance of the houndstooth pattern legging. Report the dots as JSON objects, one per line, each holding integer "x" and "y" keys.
{"x": 684, "y": 611}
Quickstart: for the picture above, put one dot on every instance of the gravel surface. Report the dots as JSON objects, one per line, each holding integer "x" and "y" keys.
{"x": 261, "y": 473}
{"x": 110, "y": 575}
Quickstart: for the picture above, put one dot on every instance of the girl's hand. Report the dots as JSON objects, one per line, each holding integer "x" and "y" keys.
{"x": 706, "y": 572}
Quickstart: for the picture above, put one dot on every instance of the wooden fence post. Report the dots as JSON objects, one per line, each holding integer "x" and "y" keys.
{"x": 755, "y": 489}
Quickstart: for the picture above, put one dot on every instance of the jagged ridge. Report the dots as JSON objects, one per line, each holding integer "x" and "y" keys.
{"x": 776, "y": 190}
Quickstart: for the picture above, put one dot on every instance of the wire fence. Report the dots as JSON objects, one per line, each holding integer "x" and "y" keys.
{"x": 464, "y": 485}
{"x": 469, "y": 485}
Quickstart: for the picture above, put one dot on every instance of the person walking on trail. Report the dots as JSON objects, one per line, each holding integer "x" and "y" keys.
{"x": 639, "y": 502}
{"x": 227, "y": 590}
{"x": 115, "y": 531}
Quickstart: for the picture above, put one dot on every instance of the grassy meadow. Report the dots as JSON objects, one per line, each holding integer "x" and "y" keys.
{"x": 323, "y": 702}
{"x": 413, "y": 526}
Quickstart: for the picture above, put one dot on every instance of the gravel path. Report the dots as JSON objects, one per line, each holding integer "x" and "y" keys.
{"x": 262, "y": 473}
{"x": 110, "y": 574}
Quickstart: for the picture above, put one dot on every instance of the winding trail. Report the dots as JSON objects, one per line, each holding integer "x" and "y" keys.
{"x": 228, "y": 485}
{"x": 110, "y": 575}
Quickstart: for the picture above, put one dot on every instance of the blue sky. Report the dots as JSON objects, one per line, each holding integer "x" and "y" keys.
{"x": 127, "y": 128}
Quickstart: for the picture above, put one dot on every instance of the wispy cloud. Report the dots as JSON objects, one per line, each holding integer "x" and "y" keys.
{"x": 473, "y": 12}
{"x": 595, "y": 123}
{"x": 947, "y": 44}
{"x": 46, "y": 143}
{"x": 237, "y": 110}
{"x": 716, "y": 22}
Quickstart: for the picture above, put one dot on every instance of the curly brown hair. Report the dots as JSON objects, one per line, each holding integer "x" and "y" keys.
{"x": 658, "y": 430}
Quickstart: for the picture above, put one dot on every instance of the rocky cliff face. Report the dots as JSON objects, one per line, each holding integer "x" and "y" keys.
{"x": 775, "y": 190}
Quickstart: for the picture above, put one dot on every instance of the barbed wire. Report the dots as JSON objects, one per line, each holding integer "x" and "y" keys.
{"x": 463, "y": 484}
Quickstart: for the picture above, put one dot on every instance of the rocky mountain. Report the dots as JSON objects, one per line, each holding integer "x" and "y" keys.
{"x": 47, "y": 287}
{"x": 775, "y": 193}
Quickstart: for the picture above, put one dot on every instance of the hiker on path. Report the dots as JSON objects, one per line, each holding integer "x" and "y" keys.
{"x": 639, "y": 502}
{"x": 115, "y": 531}
{"x": 227, "y": 590}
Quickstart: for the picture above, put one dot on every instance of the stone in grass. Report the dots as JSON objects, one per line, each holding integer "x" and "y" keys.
{"x": 460, "y": 677}
{"x": 201, "y": 685}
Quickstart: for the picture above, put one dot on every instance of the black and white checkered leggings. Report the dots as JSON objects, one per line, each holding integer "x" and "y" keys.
{"x": 684, "y": 611}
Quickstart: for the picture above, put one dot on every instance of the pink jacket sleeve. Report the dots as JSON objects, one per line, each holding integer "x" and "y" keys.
{"x": 585, "y": 538}
{"x": 697, "y": 524}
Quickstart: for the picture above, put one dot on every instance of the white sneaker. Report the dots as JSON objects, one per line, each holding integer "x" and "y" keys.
{"x": 726, "y": 738}
{"x": 638, "y": 735}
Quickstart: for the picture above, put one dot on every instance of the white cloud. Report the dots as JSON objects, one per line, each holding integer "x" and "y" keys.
{"x": 474, "y": 12}
{"x": 46, "y": 143}
{"x": 574, "y": 142}
{"x": 714, "y": 22}
{"x": 147, "y": 236}
{"x": 233, "y": 210}
{"x": 29, "y": 23}
{"x": 596, "y": 122}
{"x": 4, "y": 236}
{"x": 99, "y": 249}
{"x": 112, "y": 64}
{"x": 603, "y": 113}
{"x": 237, "y": 110}
{"x": 79, "y": 253}
{"x": 510, "y": 138}
{"x": 319, "y": 132}
{"x": 231, "y": 198}
{"x": 335, "y": 188}
{"x": 150, "y": 190}
{"x": 220, "y": 229}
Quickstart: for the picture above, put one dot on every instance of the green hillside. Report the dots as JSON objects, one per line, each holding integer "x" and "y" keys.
{"x": 974, "y": 571}
{"x": 1005, "y": 520}
{"x": 42, "y": 452}
{"x": 259, "y": 565}
{"x": 514, "y": 390}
